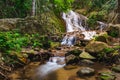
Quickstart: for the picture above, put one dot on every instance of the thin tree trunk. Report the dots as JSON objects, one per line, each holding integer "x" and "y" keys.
{"x": 33, "y": 7}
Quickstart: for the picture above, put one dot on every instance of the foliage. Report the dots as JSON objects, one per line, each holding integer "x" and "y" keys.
{"x": 57, "y": 6}
{"x": 114, "y": 33}
{"x": 14, "y": 8}
{"x": 11, "y": 44}
{"x": 13, "y": 41}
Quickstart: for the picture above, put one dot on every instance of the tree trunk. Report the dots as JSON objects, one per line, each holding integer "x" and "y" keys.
{"x": 33, "y": 7}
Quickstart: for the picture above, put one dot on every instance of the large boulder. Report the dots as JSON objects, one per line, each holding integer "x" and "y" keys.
{"x": 114, "y": 30}
{"x": 96, "y": 47}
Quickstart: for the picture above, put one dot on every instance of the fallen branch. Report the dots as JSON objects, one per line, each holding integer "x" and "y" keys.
{"x": 3, "y": 75}
{"x": 5, "y": 68}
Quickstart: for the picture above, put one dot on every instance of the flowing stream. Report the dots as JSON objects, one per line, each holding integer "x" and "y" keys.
{"x": 49, "y": 67}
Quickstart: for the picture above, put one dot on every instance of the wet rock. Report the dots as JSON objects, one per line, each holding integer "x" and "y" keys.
{"x": 86, "y": 62}
{"x": 72, "y": 57}
{"x": 86, "y": 55}
{"x": 116, "y": 68}
{"x": 58, "y": 60}
{"x": 114, "y": 30}
{"x": 95, "y": 47}
{"x": 86, "y": 71}
{"x": 106, "y": 76}
{"x": 69, "y": 67}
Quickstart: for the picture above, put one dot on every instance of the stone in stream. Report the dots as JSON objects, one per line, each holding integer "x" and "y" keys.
{"x": 106, "y": 76}
{"x": 85, "y": 72}
{"x": 72, "y": 57}
{"x": 116, "y": 68}
{"x": 86, "y": 62}
{"x": 69, "y": 67}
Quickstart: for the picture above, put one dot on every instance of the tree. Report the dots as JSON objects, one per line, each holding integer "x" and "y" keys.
{"x": 33, "y": 7}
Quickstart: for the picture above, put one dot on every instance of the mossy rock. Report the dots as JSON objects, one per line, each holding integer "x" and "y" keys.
{"x": 96, "y": 47}
{"x": 116, "y": 68}
{"x": 106, "y": 76}
{"x": 114, "y": 30}
{"x": 103, "y": 37}
{"x": 81, "y": 11}
{"x": 75, "y": 52}
{"x": 54, "y": 44}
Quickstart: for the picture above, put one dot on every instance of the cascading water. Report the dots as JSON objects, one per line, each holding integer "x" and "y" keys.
{"x": 53, "y": 64}
{"x": 74, "y": 22}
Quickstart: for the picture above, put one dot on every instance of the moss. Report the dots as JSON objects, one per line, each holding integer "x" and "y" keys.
{"x": 55, "y": 44}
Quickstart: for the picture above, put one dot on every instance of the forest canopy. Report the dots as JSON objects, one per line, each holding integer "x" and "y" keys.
{"x": 23, "y": 8}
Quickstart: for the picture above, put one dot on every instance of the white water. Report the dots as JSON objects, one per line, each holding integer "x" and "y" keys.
{"x": 74, "y": 22}
{"x": 53, "y": 64}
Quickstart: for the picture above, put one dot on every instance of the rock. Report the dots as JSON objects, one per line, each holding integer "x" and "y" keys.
{"x": 114, "y": 30}
{"x": 96, "y": 47}
{"x": 86, "y": 62}
{"x": 8, "y": 24}
{"x": 72, "y": 57}
{"x": 116, "y": 68}
{"x": 85, "y": 71}
{"x": 86, "y": 55}
{"x": 75, "y": 52}
{"x": 107, "y": 76}
{"x": 69, "y": 67}
{"x": 103, "y": 37}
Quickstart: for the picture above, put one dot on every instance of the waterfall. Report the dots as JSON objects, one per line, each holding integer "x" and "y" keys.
{"x": 75, "y": 23}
